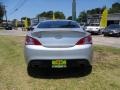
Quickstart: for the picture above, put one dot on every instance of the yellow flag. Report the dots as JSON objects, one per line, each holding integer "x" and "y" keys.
{"x": 26, "y": 23}
{"x": 103, "y": 22}
{"x": 53, "y": 16}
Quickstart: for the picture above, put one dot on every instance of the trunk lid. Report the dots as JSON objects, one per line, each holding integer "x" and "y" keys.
{"x": 58, "y": 38}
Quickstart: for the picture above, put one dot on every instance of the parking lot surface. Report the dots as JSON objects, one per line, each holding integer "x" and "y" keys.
{"x": 107, "y": 41}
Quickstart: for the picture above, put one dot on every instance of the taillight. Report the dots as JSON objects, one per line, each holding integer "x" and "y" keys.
{"x": 85, "y": 40}
{"x": 31, "y": 41}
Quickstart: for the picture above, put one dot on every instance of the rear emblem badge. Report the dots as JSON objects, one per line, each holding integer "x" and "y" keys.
{"x": 58, "y": 36}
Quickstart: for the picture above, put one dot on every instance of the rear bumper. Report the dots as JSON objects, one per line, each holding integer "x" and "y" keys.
{"x": 48, "y": 64}
{"x": 80, "y": 52}
{"x": 94, "y": 32}
{"x": 112, "y": 34}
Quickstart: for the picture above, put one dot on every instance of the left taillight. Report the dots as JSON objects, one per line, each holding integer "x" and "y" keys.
{"x": 85, "y": 40}
{"x": 31, "y": 41}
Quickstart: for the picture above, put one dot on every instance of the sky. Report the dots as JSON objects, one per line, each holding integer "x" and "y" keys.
{"x": 31, "y": 8}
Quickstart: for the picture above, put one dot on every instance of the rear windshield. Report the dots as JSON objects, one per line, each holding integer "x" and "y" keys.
{"x": 113, "y": 26}
{"x": 94, "y": 25}
{"x": 58, "y": 24}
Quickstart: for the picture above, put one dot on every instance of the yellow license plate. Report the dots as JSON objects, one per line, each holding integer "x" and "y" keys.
{"x": 59, "y": 64}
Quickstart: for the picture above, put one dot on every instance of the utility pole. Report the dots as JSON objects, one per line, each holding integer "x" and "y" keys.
{"x": 5, "y": 12}
{"x": 74, "y": 10}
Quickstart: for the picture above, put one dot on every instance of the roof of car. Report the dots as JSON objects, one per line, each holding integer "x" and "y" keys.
{"x": 114, "y": 24}
{"x": 57, "y": 20}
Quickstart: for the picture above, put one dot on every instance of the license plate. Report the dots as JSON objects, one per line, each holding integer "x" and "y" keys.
{"x": 59, "y": 64}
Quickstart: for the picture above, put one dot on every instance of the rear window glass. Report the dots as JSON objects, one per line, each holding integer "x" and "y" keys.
{"x": 94, "y": 25}
{"x": 112, "y": 26}
{"x": 58, "y": 24}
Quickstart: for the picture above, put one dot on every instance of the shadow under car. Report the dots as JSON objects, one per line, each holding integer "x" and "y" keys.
{"x": 50, "y": 73}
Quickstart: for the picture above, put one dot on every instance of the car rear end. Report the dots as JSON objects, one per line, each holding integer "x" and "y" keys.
{"x": 114, "y": 33}
{"x": 58, "y": 48}
{"x": 112, "y": 30}
{"x": 94, "y": 29}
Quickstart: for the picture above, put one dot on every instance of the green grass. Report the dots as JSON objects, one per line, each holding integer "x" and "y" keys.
{"x": 13, "y": 74}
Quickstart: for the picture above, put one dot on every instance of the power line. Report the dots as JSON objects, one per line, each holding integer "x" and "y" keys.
{"x": 18, "y": 6}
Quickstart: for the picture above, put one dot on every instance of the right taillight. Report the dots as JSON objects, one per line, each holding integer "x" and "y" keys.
{"x": 31, "y": 41}
{"x": 85, "y": 40}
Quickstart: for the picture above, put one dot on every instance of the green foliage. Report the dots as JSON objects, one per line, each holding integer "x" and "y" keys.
{"x": 59, "y": 15}
{"x": 69, "y": 18}
{"x": 49, "y": 15}
{"x": 82, "y": 17}
{"x": 95, "y": 11}
{"x": 115, "y": 8}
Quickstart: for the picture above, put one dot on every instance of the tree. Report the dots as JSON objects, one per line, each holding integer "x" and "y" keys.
{"x": 49, "y": 15}
{"x": 2, "y": 11}
{"x": 59, "y": 15}
{"x": 69, "y": 18}
{"x": 94, "y": 11}
{"x": 43, "y": 14}
{"x": 115, "y": 8}
{"x": 82, "y": 17}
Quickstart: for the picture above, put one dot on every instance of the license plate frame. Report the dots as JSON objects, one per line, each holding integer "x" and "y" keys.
{"x": 59, "y": 63}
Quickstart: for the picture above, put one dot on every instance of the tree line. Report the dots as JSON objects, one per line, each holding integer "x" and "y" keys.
{"x": 49, "y": 15}
{"x": 83, "y": 15}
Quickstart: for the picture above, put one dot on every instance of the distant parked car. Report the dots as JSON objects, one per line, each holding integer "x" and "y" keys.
{"x": 58, "y": 44}
{"x": 8, "y": 27}
{"x": 112, "y": 30}
{"x": 94, "y": 29}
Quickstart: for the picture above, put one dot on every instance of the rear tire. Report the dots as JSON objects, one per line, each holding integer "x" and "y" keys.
{"x": 30, "y": 70}
{"x": 86, "y": 69}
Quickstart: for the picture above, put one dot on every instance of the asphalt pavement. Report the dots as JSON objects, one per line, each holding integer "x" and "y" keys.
{"x": 97, "y": 39}
{"x": 17, "y": 32}
{"x": 107, "y": 41}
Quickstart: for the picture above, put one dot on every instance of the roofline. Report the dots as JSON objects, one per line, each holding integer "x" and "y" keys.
{"x": 57, "y": 20}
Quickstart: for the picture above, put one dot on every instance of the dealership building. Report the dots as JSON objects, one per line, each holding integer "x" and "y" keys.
{"x": 113, "y": 18}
